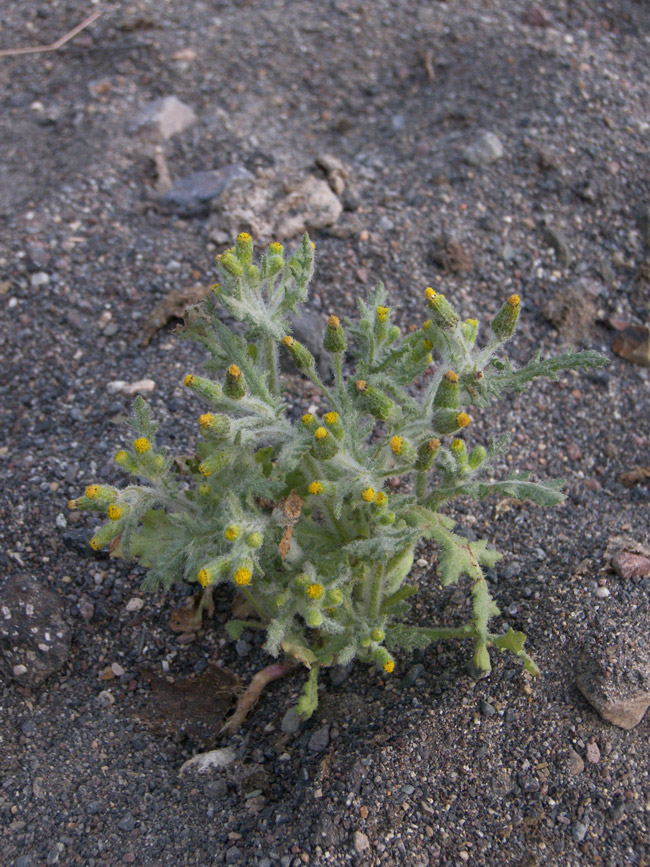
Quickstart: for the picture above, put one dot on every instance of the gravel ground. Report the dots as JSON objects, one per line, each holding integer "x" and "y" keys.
{"x": 428, "y": 766}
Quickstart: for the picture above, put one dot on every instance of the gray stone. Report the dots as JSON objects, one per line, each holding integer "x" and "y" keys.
{"x": 290, "y": 722}
{"x": 484, "y": 151}
{"x": 194, "y": 195}
{"x": 233, "y": 855}
{"x": 579, "y": 831}
{"x": 163, "y": 118}
{"x": 319, "y": 739}
{"x": 311, "y": 205}
{"x": 126, "y": 823}
{"x": 557, "y": 242}
{"x": 34, "y": 638}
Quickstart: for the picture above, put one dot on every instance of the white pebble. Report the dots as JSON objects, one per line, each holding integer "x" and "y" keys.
{"x": 602, "y": 592}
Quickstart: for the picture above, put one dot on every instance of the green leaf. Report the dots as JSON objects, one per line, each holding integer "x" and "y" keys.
{"x": 263, "y": 457}
{"x": 518, "y": 485}
{"x": 461, "y": 557}
{"x": 398, "y": 596}
{"x": 308, "y": 701}
{"x": 484, "y": 607}
{"x": 514, "y": 641}
{"x": 412, "y": 637}
{"x": 234, "y": 628}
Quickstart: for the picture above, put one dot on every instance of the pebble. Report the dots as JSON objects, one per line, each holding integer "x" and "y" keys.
{"x": 484, "y": 151}
{"x": 602, "y": 592}
{"x": 319, "y": 739}
{"x": 593, "y": 753}
{"x": 576, "y": 763}
{"x": 486, "y": 708}
{"x": 194, "y": 195}
{"x": 232, "y": 855}
{"x": 163, "y": 118}
{"x": 361, "y": 841}
{"x": 40, "y": 278}
{"x": 579, "y": 831}
{"x": 290, "y": 722}
{"x": 126, "y": 823}
{"x": 134, "y": 604}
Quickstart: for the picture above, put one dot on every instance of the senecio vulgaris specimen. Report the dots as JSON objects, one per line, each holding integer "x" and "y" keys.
{"x": 298, "y": 516}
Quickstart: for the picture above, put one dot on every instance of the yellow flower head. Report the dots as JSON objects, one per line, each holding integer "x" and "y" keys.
{"x": 205, "y": 420}
{"x": 389, "y": 666}
{"x": 204, "y": 577}
{"x": 320, "y": 433}
{"x": 243, "y": 237}
{"x": 430, "y": 293}
{"x": 361, "y": 385}
{"x": 315, "y": 488}
{"x": 462, "y": 419}
{"x": 189, "y": 379}
{"x": 232, "y": 532}
{"x": 333, "y": 322}
{"x": 242, "y": 576}
{"x": 114, "y": 512}
{"x": 472, "y": 322}
{"x": 314, "y": 591}
{"x": 451, "y": 376}
{"x": 426, "y": 324}
{"x": 234, "y": 371}
{"x": 72, "y": 504}
{"x": 368, "y": 495}
{"x": 141, "y": 445}
{"x": 288, "y": 340}
{"x": 382, "y": 313}
{"x": 307, "y": 418}
{"x": 91, "y": 491}
{"x": 396, "y": 444}
{"x": 276, "y": 248}
{"x": 121, "y": 456}
{"x": 380, "y": 498}
{"x": 94, "y": 544}
{"x": 457, "y": 445}
{"x": 514, "y": 301}
{"x": 331, "y": 417}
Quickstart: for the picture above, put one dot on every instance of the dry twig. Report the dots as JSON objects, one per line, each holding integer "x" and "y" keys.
{"x": 12, "y": 52}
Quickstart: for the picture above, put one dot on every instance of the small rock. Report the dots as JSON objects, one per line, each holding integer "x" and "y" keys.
{"x": 126, "y": 823}
{"x": 484, "y": 151}
{"x": 86, "y": 608}
{"x": 411, "y": 676}
{"x": 630, "y": 566}
{"x": 40, "y": 278}
{"x": 336, "y": 172}
{"x": 290, "y": 722}
{"x": 204, "y": 762}
{"x": 557, "y": 242}
{"x": 537, "y": 16}
{"x": 573, "y": 452}
{"x": 486, "y": 708}
{"x": 576, "y": 763}
{"x": 141, "y": 386}
{"x": 613, "y": 671}
{"x": 361, "y": 842}
{"x": 579, "y": 831}
{"x": 633, "y": 344}
{"x": 602, "y": 592}
{"x": 194, "y": 195}
{"x": 163, "y": 118}
{"x": 117, "y": 669}
{"x": 319, "y": 739}
{"x": 34, "y": 638}
{"x": 134, "y": 604}
{"x": 312, "y": 205}
{"x": 593, "y": 753}
{"x": 232, "y": 855}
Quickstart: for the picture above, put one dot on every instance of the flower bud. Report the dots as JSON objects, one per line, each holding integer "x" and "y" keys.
{"x": 204, "y": 387}
{"x": 325, "y": 445}
{"x": 254, "y": 539}
{"x": 126, "y": 461}
{"x": 459, "y": 451}
{"x": 115, "y": 512}
{"x": 378, "y": 634}
{"x": 334, "y": 339}
{"x": 105, "y": 535}
{"x": 302, "y": 357}
{"x": 374, "y": 401}
{"x": 402, "y": 449}
{"x": 333, "y": 422}
{"x": 448, "y": 421}
{"x": 314, "y": 618}
{"x": 243, "y": 573}
{"x": 215, "y": 462}
{"x": 141, "y": 445}
{"x": 476, "y": 457}
{"x": 232, "y": 532}
{"x": 334, "y": 596}
{"x": 393, "y": 334}
{"x": 447, "y": 392}
{"x": 383, "y": 658}
{"x": 234, "y": 386}
{"x": 214, "y": 426}
{"x": 244, "y": 248}
{"x": 381, "y": 322}
{"x": 442, "y": 313}
{"x": 470, "y": 328}
{"x": 387, "y": 518}
{"x": 426, "y": 454}
{"x": 231, "y": 264}
{"x": 310, "y": 422}
{"x": 314, "y": 591}
{"x": 504, "y": 324}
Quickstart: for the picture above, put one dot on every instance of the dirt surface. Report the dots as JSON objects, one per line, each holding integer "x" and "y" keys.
{"x": 427, "y": 766}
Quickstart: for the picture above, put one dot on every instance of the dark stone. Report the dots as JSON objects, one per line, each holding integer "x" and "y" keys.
{"x": 34, "y": 638}
{"x": 194, "y": 195}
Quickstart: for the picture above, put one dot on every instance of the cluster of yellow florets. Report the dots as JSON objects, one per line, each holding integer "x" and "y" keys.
{"x": 141, "y": 445}
{"x": 368, "y": 495}
{"x": 315, "y": 488}
{"x": 242, "y": 576}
